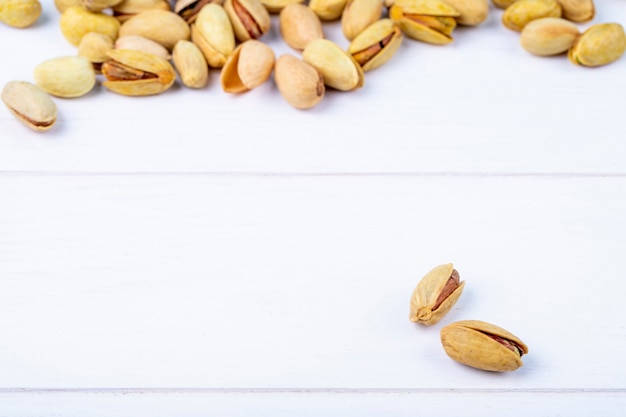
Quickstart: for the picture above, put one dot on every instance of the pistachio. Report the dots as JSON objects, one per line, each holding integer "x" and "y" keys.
{"x": 275, "y": 6}
{"x": 67, "y": 77}
{"x": 299, "y": 25}
{"x": 139, "y": 43}
{"x": 129, "y": 8}
{"x": 161, "y": 26}
{"x": 600, "y": 44}
{"x": 191, "y": 64}
{"x": 94, "y": 47}
{"x": 338, "y": 68}
{"x": 328, "y": 9}
{"x": 213, "y": 33}
{"x": 63, "y": 5}
{"x": 482, "y": 345}
{"x": 298, "y": 82}
{"x": 548, "y": 36}
{"x": 30, "y": 105}
{"x": 249, "y": 66}
{"x": 520, "y": 13}
{"x": 250, "y": 19}
{"x": 429, "y": 21}
{"x": 99, "y": 5}
{"x": 472, "y": 12}
{"x": 435, "y": 295}
{"x": 136, "y": 73}
{"x": 578, "y": 10}
{"x": 376, "y": 44}
{"x": 189, "y": 9}
{"x": 359, "y": 14}
{"x": 19, "y": 13}
{"x": 76, "y": 22}
{"x": 503, "y": 4}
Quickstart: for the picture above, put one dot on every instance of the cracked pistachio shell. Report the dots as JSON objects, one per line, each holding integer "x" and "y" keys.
{"x": 213, "y": 33}
{"x": 139, "y": 43}
{"x": 522, "y": 12}
{"x": 249, "y": 66}
{"x": 19, "y": 13}
{"x": 300, "y": 84}
{"x": 275, "y": 6}
{"x": 250, "y": 19}
{"x": 376, "y": 44}
{"x": 549, "y": 36}
{"x": 161, "y": 26}
{"x": 359, "y": 14}
{"x": 299, "y": 25}
{"x": 30, "y": 105}
{"x": 77, "y": 21}
{"x": 471, "y": 343}
{"x": 129, "y": 8}
{"x": 427, "y": 306}
{"x": 189, "y": 9}
{"x": 472, "y": 12}
{"x": 99, "y": 5}
{"x": 94, "y": 47}
{"x": 431, "y": 21}
{"x": 600, "y": 44}
{"x": 578, "y": 10}
{"x": 136, "y": 73}
{"x": 339, "y": 70}
{"x": 67, "y": 76}
{"x": 328, "y": 9}
{"x": 191, "y": 64}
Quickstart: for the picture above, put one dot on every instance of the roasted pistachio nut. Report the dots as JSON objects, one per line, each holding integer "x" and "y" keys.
{"x": 30, "y": 105}
{"x": 94, "y": 47}
{"x": 19, "y": 13}
{"x": 549, "y": 36}
{"x": 435, "y": 295}
{"x": 472, "y": 12}
{"x": 338, "y": 68}
{"x": 136, "y": 73}
{"x": 66, "y": 77}
{"x": 522, "y": 12}
{"x": 191, "y": 64}
{"x": 161, "y": 26}
{"x": 250, "y": 19}
{"x": 599, "y": 45}
{"x": 213, "y": 33}
{"x": 99, "y": 5}
{"x": 299, "y": 25}
{"x": 429, "y": 21}
{"x": 503, "y": 4}
{"x": 77, "y": 21}
{"x": 129, "y": 8}
{"x": 298, "y": 82}
{"x": 328, "y": 9}
{"x": 482, "y": 345}
{"x": 376, "y": 44}
{"x": 578, "y": 10}
{"x": 359, "y": 14}
{"x": 275, "y": 6}
{"x": 139, "y": 43}
{"x": 189, "y": 9}
{"x": 249, "y": 66}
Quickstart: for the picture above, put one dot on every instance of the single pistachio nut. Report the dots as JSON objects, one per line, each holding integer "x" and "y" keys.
{"x": 250, "y": 19}
{"x": 522, "y": 12}
{"x": 472, "y": 12}
{"x": 94, "y": 47}
{"x": 578, "y": 10}
{"x": 30, "y": 105}
{"x": 298, "y": 82}
{"x": 503, "y": 4}
{"x": 338, "y": 68}
{"x": 431, "y": 21}
{"x": 137, "y": 73}
{"x": 129, "y": 8}
{"x": 161, "y": 26}
{"x": 482, "y": 345}
{"x": 19, "y": 13}
{"x": 76, "y": 22}
{"x": 214, "y": 35}
{"x": 189, "y": 9}
{"x": 276, "y": 6}
{"x": 549, "y": 36}
{"x": 299, "y": 25}
{"x": 376, "y": 44}
{"x": 191, "y": 64}
{"x": 359, "y": 14}
{"x": 66, "y": 77}
{"x": 99, "y": 5}
{"x": 249, "y": 66}
{"x": 328, "y": 10}
{"x": 63, "y": 5}
{"x": 600, "y": 44}
{"x": 139, "y": 43}
{"x": 435, "y": 295}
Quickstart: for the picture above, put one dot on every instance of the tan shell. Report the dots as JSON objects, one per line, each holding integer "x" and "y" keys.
{"x": 94, "y": 47}
{"x": 469, "y": 343}
{"x": 249, "y": 66}
{"x": 549, "y": 36}
{"x": 139, "y": 43}
{"x": 161, "y": 26}
{"x": 299, "y": 25}
{"x": 275, "y": 6}
{"x": 99, "y": 5}
{"x": 63, "y": 5}
{"x": 434, "y": 23}
{"x": 161, "y": 73}
{"x": 503, "y": 4}
{"x": 328, "y": 9}
{"x": 359, "y": 14}
{"x": 189, "y": 9}
{"x": 19, "y": 13}
{"x": 384, "y": 32}
{"x": 472, "y": 12}
{"x": 213, "y": 33}
{"x": 129, "y": 8}
{"x": 67, "y": 77}
{"x": 191, "y": 64}
{"x": 76, "y": 22}
{"x": 423, "y": 305}
{"x": 250, "y": 19}
{"x": 30, "y": 105}
{"x": 339, "y": 70}
{"x": 599, "y": 45}
{"x": 578, "y": 10}
{"x": 522, "y": 12}
{"x": 298, "y": 82}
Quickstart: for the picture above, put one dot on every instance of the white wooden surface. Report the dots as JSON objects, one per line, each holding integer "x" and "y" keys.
{"x": 196, "y": 253}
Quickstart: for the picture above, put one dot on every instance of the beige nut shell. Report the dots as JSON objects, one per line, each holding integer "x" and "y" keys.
{"x": 374, "y": 34}
{"x": 549, "y": 36}
{"x": 249, "y": 66}
{"x": 338, "y": 67}
{"x": 599, "y": 45}
{"x": 161, "y": 26}
{"x": 299, "y": 25}
{"x": 522, "y": 12}
{"x": 427, "y": 292}
{"x": 213, "y": 33}
{"x": 30, "y": 105}
{"x": 76, "y": 22}
{"x": 142, "y": 61}
{"x": 300, "y": 84}
{"x": 66, "y": 77}
{"x": 19, "y": 13}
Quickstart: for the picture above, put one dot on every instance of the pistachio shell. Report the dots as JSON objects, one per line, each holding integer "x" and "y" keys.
{"x": 275, "y": 6}
{"x": 129, "y": 8}
{"x": 189, "y": 9}
{"x": 213, "y": 33}
{"x": 249, "y": 66}
{"x": 339, "y": 70}
{"x": 139, "y": 43}
{"x": 161, "y": 26}
{"x": 63, "y": 5}
{"x": 578, "y": 10}
{"x": 99, "y": 5}
{"x": 600, "y": 44}
{"x": 94, "y": 47}
{"x": 328, "y": 9}
{"x": 250, "y": 19}
{"x": 19, "y": 13}
{"x": 152, "y": 75}
{"x": 30, "y": 105}
{"x": 427, "y": 306}
{"x": 429, "y": 21}
{"x": 359, "y": 14}
{"x": 472, "y": 12}
{"x": 76, "y": 22}
{"x": 549, "y": 36}
{"x": 67, "y": 77}
{"x": 299, "y": 25}
{"x": 191, "y": 64}
{"x": 385, "y": 33}
{"x": 522, "y": 12}
{"x": 298, "y": 82}
{"x": 503, "y": 4}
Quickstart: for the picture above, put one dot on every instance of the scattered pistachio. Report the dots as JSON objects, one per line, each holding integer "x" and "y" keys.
{"x": 76, "y": 22}
{"x": 600, "y": 44}
{"x": 338, "y": 68}
{"x": 249, "y": 66}
{"x": 66, "y": 77}
{"x": 435, "y": 295}
{"x": 549, "y": 36}
{"x": 520, "y": 13}
{"x": 161, "y": 26}
{"x": 19, "y": 13}
{"x": 299, "y": 25}
{"x": 136, "y": 73}
{"x": 300, "y": 84}
{"x": 30, "y": 105}
{"x": 376, "y": 44}
{"x": 429, "y": 21}
{"x": 191, "y": 64}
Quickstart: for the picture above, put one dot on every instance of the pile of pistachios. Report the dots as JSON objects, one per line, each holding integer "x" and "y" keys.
{"x": 141, "y": 47}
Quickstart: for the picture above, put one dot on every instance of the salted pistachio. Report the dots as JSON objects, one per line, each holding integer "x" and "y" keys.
{"x": 472, "y": 12}
{"x": 66, "y": 76}
{"x": 161, "y": 26}
{"x": 19, "y": 13}
{"x": 298, "y": 82}
{"x": 600, "y": 44}
{"x": 137, "y": 73}
{"x": 213, "y": 33}
{"x": 249, "y": 66}
{"x": 359, "y": 14}
{"x": 503, "y": 4}
{"x": 338, "y": 68}
{"x": 299, "y": 25}
{"x": 328, "y": 9}
{"x": 275, "y": 6}
{"x": 129, "y": 8}
{"x": 431, "y": 21}
{"x": 435, "y": 295}
{"x": 139, "y": 43}
{"x": 99, "y": 5}
{"x": 189, "y": 9}
{"x": 191, "y": 64}
{"x": 94, "y": 47}
{"x": 483, "y": 345}
{"x": 522, "y": 12}
{"x": 30, "y": 105}
{"x": 578, "y": 10}
{"x": 63, "y": 5}
{"x": 549, "y": 36}
{"x": 76, "y": 22}
{"x": 250, "y": 19}
{"x": 376, "y": 44}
